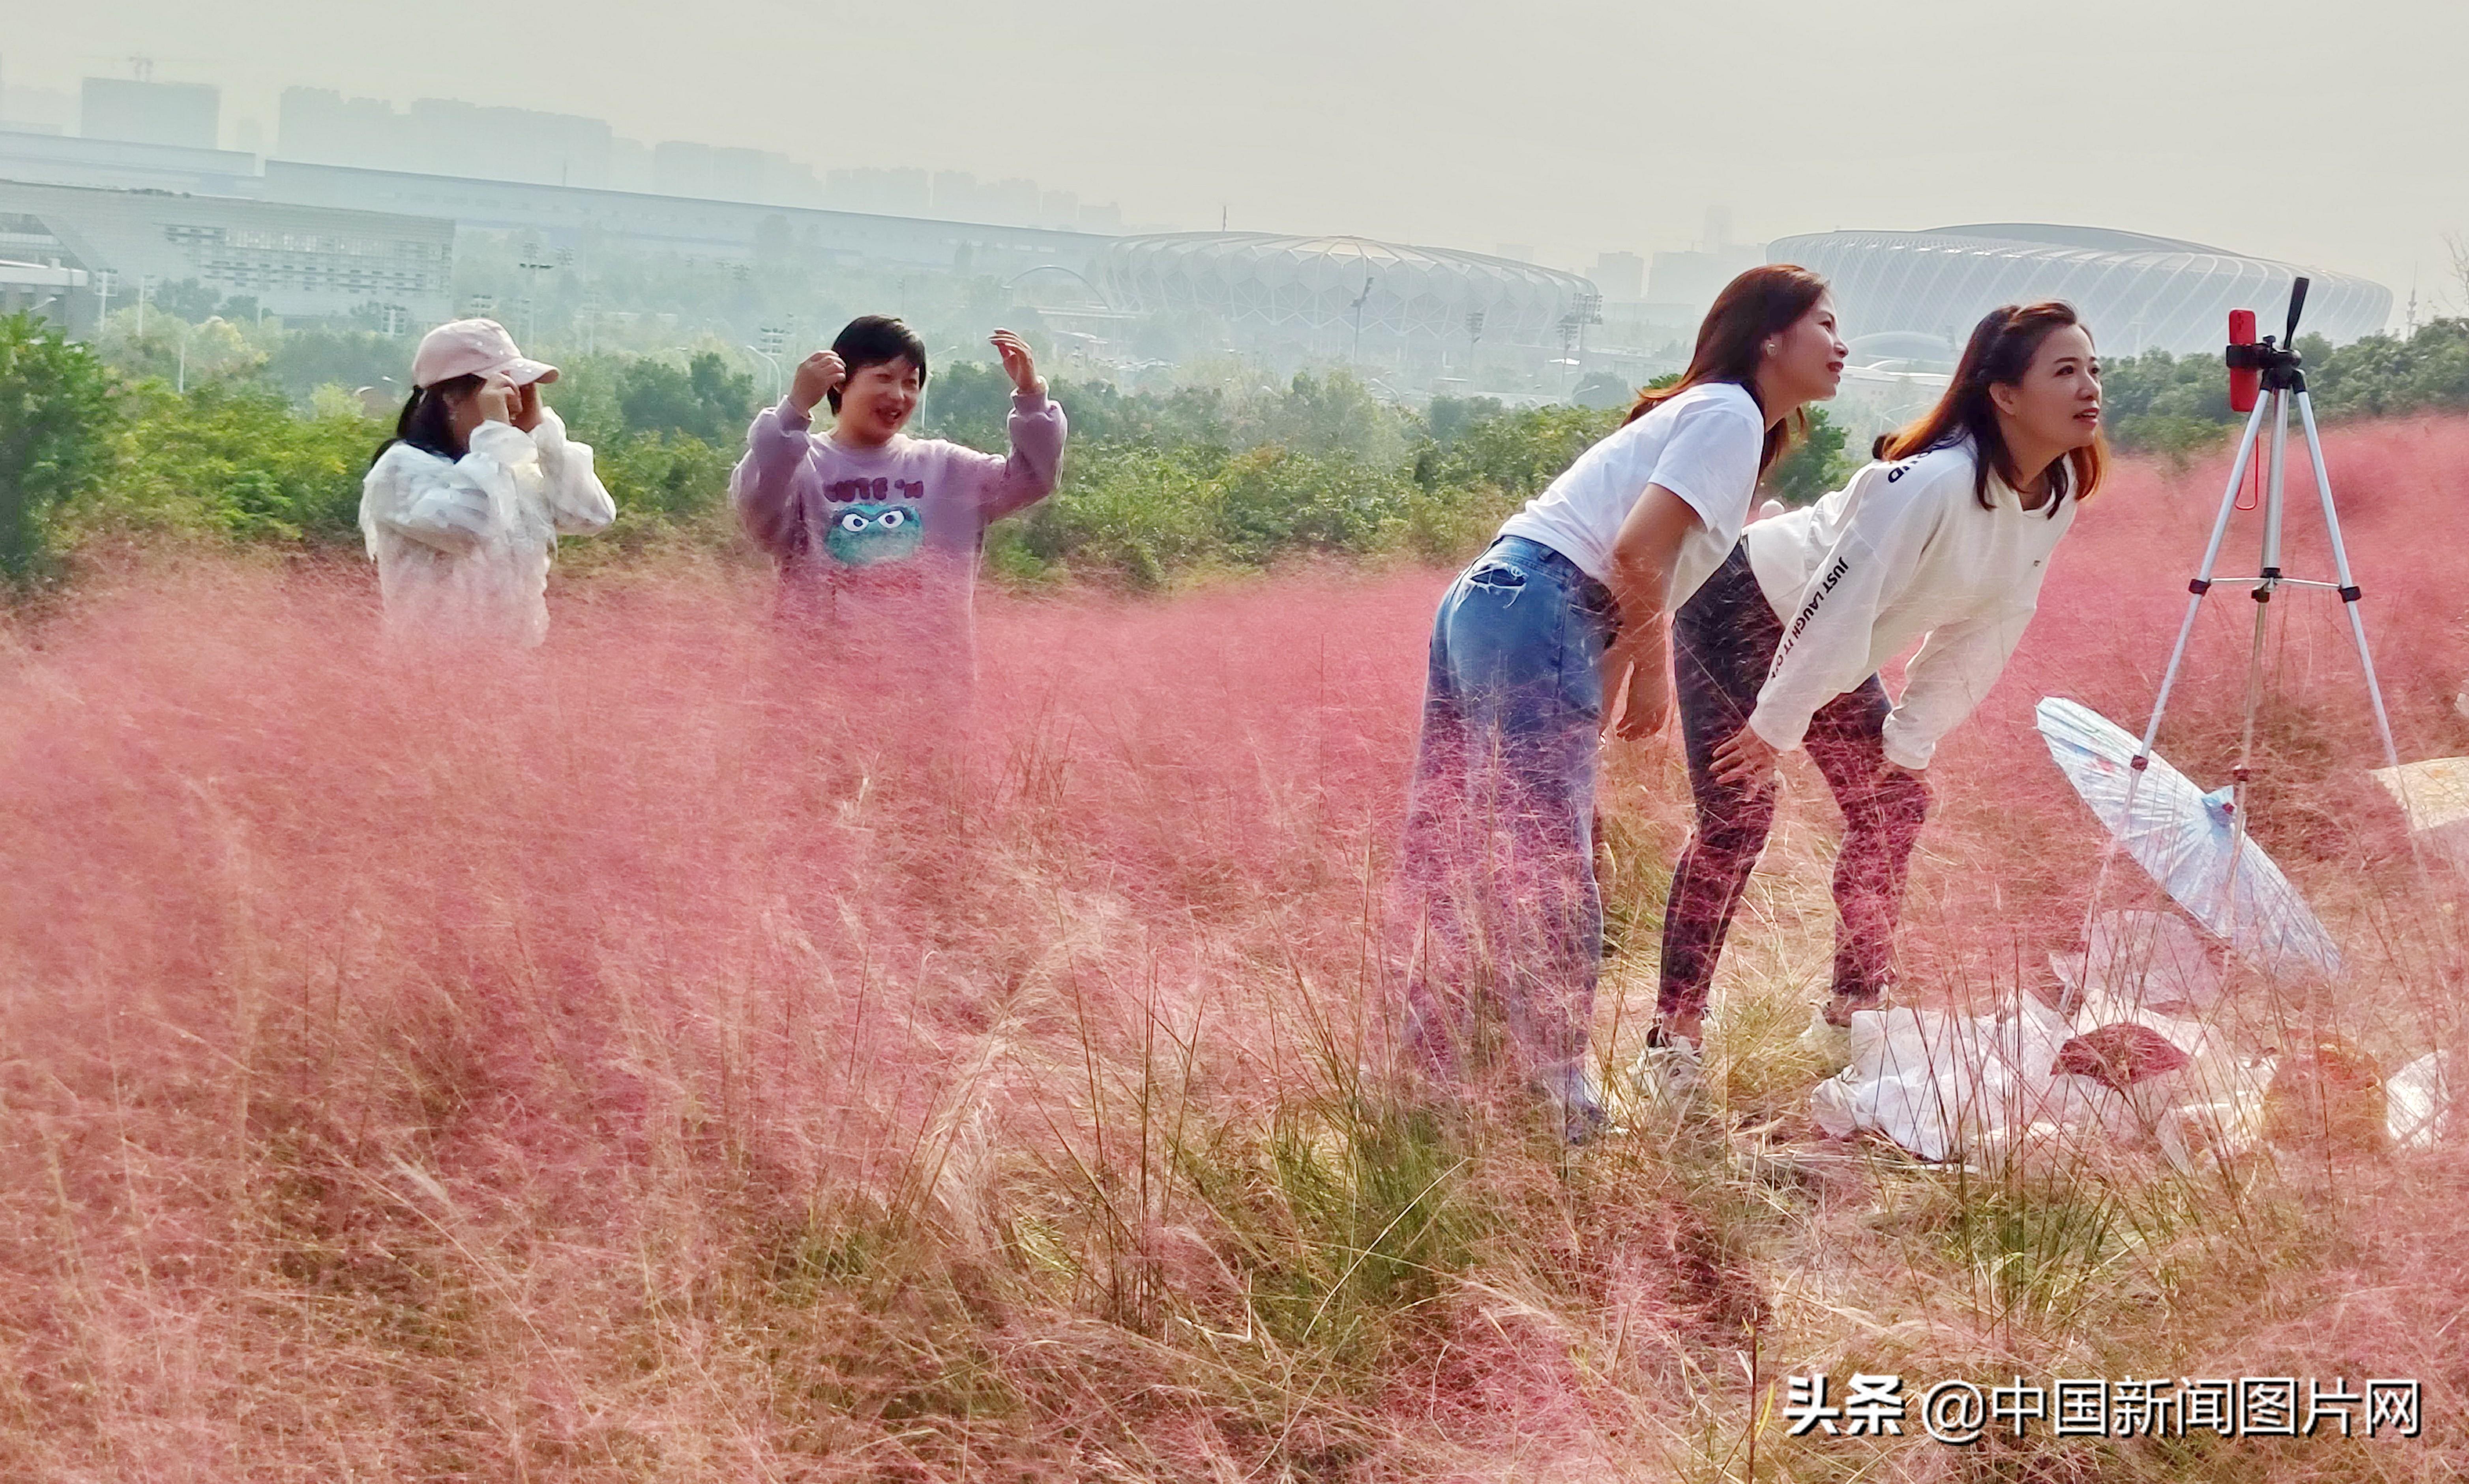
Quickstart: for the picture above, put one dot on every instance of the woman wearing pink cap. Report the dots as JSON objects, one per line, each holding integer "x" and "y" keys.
{"x": 463, "y": 506}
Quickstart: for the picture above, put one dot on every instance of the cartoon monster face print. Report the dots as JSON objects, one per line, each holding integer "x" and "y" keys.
{"x": 869, "y": 532}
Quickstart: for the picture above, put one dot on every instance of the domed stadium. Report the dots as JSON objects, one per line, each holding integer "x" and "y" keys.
{"x": 1306, "y": 288}
{"x": 2136, "y": 293}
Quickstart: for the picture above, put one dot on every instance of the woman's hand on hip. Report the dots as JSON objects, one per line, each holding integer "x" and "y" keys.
{"x": 1745, "y": 761}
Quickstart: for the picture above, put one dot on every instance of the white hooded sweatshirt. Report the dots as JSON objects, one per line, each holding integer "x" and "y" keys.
{"x": 463, "y": 545}
{"x": 1903, "y": 550}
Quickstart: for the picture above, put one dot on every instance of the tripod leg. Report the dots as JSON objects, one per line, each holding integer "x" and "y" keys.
{"x": 2275, "y": 472}
{"x": 2350, "y": 595}
{"x": 2349, "y": 591}
{"x": 2201, "y": 584}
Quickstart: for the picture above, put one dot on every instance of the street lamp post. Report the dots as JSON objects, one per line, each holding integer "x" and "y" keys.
{"x": 772, "y": 364}
{"x": 533, "y": 265}
{"x": 771, "y": 340}
{"x": 1584, "y": 309}
{"x": 1588, "y": 309}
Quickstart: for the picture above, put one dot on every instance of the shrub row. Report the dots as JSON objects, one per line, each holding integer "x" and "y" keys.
{"x": 1156, "y": 484}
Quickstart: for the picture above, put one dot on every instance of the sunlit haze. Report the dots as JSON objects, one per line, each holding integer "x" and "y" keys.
{"x": 2324, "y": 135}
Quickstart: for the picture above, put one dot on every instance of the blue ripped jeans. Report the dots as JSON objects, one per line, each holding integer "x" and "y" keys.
{"x": 1500, "y": 824}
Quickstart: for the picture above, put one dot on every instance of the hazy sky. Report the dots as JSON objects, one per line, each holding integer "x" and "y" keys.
{"x": 2334, "y": 133}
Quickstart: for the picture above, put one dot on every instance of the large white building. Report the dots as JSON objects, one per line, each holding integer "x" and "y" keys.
{"x": 1323, "y": 290}
{"x": 577, "y": 218}
{"x": 46, "y": 290}
{"x": 557, "y": 217}
{"x": 304, "y": 261}
{"x": 2136, "y": 293}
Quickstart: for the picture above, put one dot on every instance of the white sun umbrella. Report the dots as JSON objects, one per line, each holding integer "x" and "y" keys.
{"x": 2187, "y": 840}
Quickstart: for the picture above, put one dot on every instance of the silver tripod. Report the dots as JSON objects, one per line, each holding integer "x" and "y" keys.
{"x": 2283, "y": 384}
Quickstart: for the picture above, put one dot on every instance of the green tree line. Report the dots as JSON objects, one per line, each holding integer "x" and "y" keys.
{"x": 260, "y": 447}
{"x": 2177, "y": 406}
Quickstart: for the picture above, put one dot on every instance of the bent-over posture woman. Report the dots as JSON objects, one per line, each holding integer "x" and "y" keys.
{"x": 1536, "y": 638}
{"x": 1945, "y": 539}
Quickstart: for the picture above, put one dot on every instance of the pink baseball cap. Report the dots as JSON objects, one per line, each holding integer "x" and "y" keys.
{"x": 473, "y": 347}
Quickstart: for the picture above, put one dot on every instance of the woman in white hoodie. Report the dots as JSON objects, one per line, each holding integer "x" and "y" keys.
{"x": 1945, "y": 540}
{"x": 462, "y": 508}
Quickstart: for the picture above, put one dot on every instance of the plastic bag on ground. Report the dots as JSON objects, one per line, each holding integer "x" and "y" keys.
{"x": 2421, "y": 1111}
{"x": 2199, "y": 1136}
{"x": 1943, "y": 1085}
{"x": 1936, "y": 1082}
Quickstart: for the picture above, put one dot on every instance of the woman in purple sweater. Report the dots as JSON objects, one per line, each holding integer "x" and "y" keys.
{"x": 877, "y": 534}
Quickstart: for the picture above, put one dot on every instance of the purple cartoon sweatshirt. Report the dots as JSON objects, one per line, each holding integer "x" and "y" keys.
{"x": 888, "y": 539}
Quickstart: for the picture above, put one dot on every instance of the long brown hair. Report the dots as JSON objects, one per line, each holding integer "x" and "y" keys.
{"x": 1731, "y": 342}
{"x": 1998, "y": 352}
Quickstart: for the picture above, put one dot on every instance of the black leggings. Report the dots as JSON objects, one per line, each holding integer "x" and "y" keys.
{"x": 1723, "y": 642}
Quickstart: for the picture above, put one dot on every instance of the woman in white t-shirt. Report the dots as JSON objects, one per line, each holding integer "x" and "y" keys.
{"x": 1533, "y": 642}
{"x": 1946, "y": 540}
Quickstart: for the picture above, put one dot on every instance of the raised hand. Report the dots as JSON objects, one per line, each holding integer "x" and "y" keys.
{"x": 1019, "y": 363}
{"x": 525, "y": 409}
{"x": 498, "y": 400}
{"x": 817, "y": 377}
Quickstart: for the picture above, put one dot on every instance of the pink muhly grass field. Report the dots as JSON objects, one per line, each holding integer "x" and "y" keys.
{"x": 624, "y": 1062}
{"x": 387, "y": 1044}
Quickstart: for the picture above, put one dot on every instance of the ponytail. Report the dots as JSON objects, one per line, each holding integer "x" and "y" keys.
{"x": 427, "y": 419}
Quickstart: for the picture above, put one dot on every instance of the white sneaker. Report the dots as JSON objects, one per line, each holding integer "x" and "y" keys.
{"x": 1827, "y": 1043}
{"x": 1670, "y": 1069}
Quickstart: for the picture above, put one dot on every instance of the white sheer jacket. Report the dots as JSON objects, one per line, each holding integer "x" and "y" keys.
{"x": 463, "y": 545}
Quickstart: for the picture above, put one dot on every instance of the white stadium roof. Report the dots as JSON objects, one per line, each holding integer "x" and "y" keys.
{"x": 2136, "y": 291}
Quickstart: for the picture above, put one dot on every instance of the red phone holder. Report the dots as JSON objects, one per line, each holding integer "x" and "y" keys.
{"x": 2245, "y": 382}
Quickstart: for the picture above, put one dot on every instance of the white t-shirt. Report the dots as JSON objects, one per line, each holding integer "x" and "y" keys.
{"x": 1702, "y": 446}
{"x": 1902, "y": 551}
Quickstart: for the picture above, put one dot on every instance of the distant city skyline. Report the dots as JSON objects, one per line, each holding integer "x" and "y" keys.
{"x": 1584, "y": 129}
{"x": 901, "y": 190}
{"x": 458, "y": 137}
